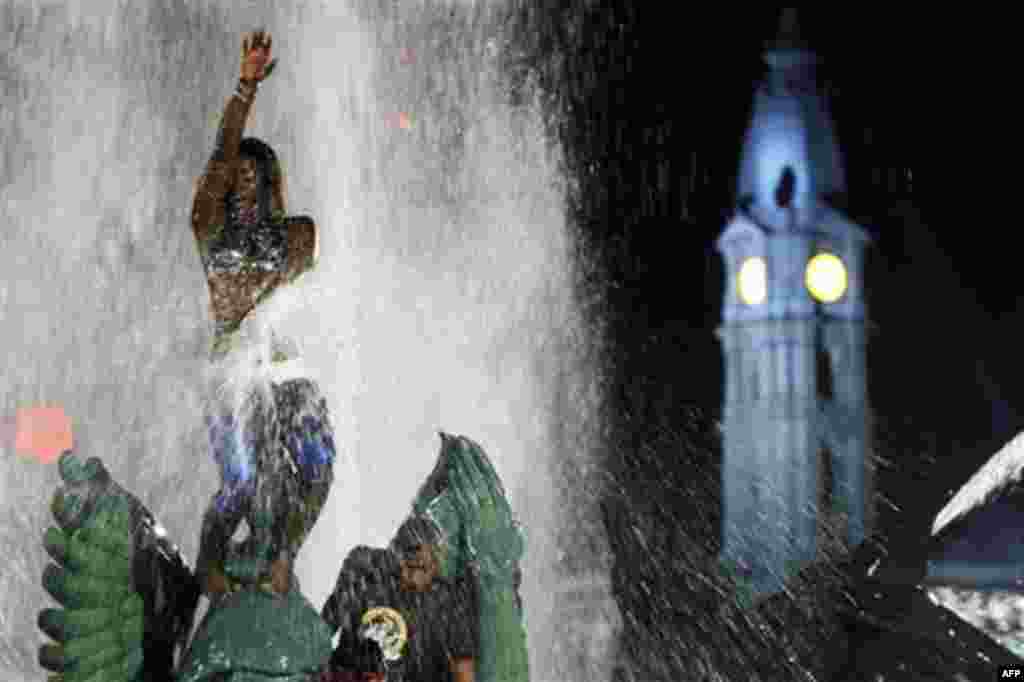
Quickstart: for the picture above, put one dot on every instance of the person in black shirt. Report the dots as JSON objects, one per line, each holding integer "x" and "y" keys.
{"x": 440, "y": 615}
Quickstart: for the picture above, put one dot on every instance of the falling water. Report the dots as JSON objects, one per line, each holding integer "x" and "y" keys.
{"x": 443, "y": 299}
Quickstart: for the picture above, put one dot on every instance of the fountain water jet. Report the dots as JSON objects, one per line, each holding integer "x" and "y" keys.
{"x": 444, "y": 296}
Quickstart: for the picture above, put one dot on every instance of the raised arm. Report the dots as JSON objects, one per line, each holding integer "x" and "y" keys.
{"x": 212, "y": 187}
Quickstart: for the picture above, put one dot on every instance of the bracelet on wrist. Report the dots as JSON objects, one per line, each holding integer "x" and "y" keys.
{"x": 246, "y": 89}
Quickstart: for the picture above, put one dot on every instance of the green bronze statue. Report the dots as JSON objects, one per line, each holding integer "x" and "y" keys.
{"x": 128, "y": 598}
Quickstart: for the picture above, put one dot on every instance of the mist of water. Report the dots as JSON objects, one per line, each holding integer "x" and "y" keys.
{"x": 443, "y": 299}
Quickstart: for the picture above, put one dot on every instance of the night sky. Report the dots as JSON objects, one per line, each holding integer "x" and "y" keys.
{"x": 655, "y": 105}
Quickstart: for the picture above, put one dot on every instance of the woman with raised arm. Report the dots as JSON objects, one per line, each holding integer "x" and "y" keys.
{"x": 269, "y": 432}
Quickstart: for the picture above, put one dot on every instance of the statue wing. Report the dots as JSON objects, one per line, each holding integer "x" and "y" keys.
{"x": 465, "y": 498}
{"x": 127, "y": 596}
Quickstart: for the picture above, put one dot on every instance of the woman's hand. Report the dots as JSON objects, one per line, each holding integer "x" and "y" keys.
{"x": 255, "y": 56}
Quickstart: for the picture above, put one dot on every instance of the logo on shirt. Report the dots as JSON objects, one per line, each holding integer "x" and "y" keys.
{"x": 387, "y": 627}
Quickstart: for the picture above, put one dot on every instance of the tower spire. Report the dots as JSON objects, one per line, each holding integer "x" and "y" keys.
{"x": 790, "y": 162}
{"x": 789, "y": 36}
{"x": 788, "y": 48}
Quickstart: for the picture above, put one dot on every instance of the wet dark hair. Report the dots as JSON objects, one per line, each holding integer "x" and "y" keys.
{"x": 254, "y": 149}
{"x": 369, "y": 563}
{"x": 416, "y": 531}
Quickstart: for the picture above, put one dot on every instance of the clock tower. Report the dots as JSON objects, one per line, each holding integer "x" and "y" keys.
{"x": 795, "y": 419}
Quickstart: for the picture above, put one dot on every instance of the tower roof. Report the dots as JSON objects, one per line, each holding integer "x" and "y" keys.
{"x": 790, "y": 157}
{"x": 788, "y": 48}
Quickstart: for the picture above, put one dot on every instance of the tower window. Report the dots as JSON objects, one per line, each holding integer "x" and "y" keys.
{"x": 786, "y": 188}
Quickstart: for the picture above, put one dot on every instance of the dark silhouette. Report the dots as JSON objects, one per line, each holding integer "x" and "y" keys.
{"x": 786, "y": 188}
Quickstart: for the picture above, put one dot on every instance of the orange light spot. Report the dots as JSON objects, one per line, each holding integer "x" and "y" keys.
{"x": 404, "y": 121}
{"x": 42, "y": 433}
{"x": 8, "y": 430}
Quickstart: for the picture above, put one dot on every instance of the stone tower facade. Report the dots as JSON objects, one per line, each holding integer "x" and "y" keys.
{"x": 796, "y": 416}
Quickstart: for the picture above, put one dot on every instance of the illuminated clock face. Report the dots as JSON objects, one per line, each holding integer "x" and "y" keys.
{"x": 753, "y": 281}
{"x": 826, "y": 277}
